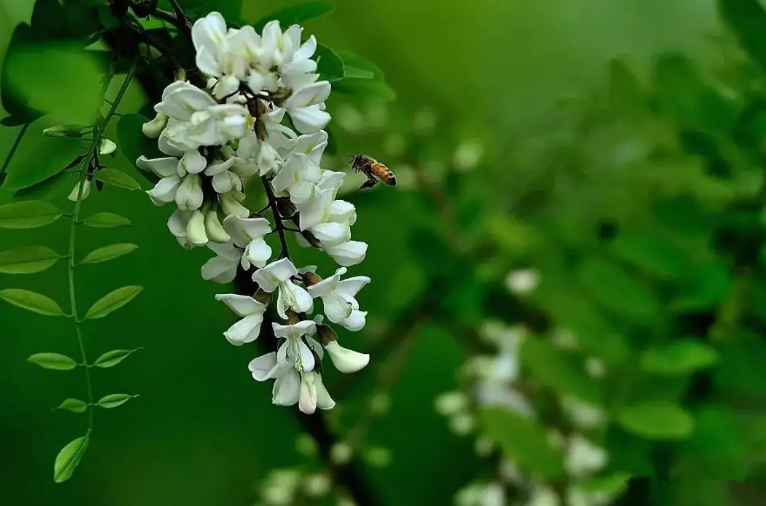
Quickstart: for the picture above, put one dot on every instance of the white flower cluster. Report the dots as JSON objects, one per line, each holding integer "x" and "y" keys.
{"x": 220, "y": 138}
{"x": 494, "y": 382}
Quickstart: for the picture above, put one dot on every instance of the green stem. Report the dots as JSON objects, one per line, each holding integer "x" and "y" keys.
{"x": 98, "y": 134}
{"x": 16, "y": 143}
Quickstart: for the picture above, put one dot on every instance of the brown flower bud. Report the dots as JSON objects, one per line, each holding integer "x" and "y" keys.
{"x": 263, "y": 297}
{"x": 292, "y": 317}
{"x": 326, "y": 334}
{"x": 311, "y": 239}
{"x": 279, "y": 96}
{"x": 286, "y": 208}
{"x": 311, "y": 278}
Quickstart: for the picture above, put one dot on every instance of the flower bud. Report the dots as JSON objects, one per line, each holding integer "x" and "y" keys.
{"x": 195, "y": 230}
{"x": 307, "y": 400}
{"x": 154, "y": 128}
{"x": 230, "y": 206}
{"x": 262, "y": 297}
{"x": 107, "y": 147}
{"x": 180, "y": 75}
{"x": 292, "y": 317}
{"x": 286, "y": 208}
{"x": 64, "y": 131}
{"x": 326, "y": 334}
{"x": 311, "y": 278}
{"x": 214, "y": 229}
{"x": 345, "y": 360}
{"x": 76, "y": 191}
{"x": 189, "y": 196}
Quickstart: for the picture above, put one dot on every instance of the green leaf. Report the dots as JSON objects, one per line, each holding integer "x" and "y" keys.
{"x": 27, "y": 260}
{"x": 68, "y": 459}
{"x": 708, "y": 286}
{"x": 740, "y": 367}
{"x": 106, "y": 220}
{"x": 112, "y": 302}
{"x": 112, "y": 358}
{"x": 559, "y": 370}
{"x": 73, "y": 405}
{"x": 47, "y": 189}
{"x": 28, "y": 214}
{"x": 54, "y": 361}
{"x": 329, "y": 65}
{"x": 31, "y": 301}
{"x": 747, "y": 20}
{"x": 657, "y": 420}
{"x": 650, "y": 253}
{"x": 77, "y": 74}
{"x": 611, "y": 485}
{"x": 365, "y": 88}
{"x": 117, "y": 178}
{"x": 114, "y": 400}
{"x": 108, "y": 253}
{"x": 719, "y": 447}
{"x": 356, "y": 73}
{"x": 625, "y": 89}
{"x": 679, "y": 357}
{"x": 15, "y": 105}
{"x": 49, "y": 159}
{"x": 618, "y": 291}
{"x": 296, "y": 14}
{"x": 359, "y": 65}
{"x": 524, "y": 441}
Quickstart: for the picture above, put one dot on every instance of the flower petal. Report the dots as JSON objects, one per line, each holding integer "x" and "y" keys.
{"x": 264, "y": 367}
{"x": 356, "y": 321}
{"x": 351, "y": 286}
{"x": 242, "y": 305}
{"x": 287, "y": 388}
{"x": 245, "y": 331}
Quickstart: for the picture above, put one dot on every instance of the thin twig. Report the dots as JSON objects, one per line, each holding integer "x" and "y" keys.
{"x": 12, "y": 152}
{"x": 279, "y": 226}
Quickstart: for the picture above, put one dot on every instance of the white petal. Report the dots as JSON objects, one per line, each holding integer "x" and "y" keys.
{"x": 193, "y": 162}
{"x": 356, "y": 321}
{"x": 351, "y": 286}
{"x": 331, "y": 234}
{"x": 345, "y": 360}
{"x": 307, "y": 360}
{"x": 310, "y": 95}
{"x": 189, "y": 195}
{"x": 258, "y": 252}
{"x": 242, "y": 305}
{"x": 336, "y": 309}
{"x": 163, "y": 167}
{"x": 302, "y": 328}
{"x": 264, "y": 367}
{"x": 302, "y": 301}
{"x": 309, "y": 119}
{"x": 307, "y": 49}
{"x": 275, "y": 272}
{"x": 341, "y": 211}
{"x": 219, "y": 166}
{"x": 219, "y": 269}
{"x": 324, "y": 401}
{"x": 326, "y": 286}
{"x": 348, "y": 253}
{"x": 225, "y": 182}
{"x": 166, "y": 188}
{"x": 307, "y": 401}
{"x": 287, "y": 388}
{"x": 245, "y": 331}
{"x": 313, "y": 212}
{"x": 178, "y": 221}
{"x": 195, "y": 229}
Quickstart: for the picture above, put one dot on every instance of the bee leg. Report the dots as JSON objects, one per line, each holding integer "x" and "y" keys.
{"x": 368, "y": 184}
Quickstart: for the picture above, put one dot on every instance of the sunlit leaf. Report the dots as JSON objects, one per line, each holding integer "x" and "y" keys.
{"x": 54, "y": 361}
{"x": 296, "y": 14}
{"x": 27, "y": 260}
{"x": 68, "y": 459}
{"x": 523, "y": 441}
{"x": 112, "y": 302}
{"x": 611, "y": 485}
{"x": 117, "y": 178}
{"x": 329, "y": 64}
{"x": 49, "y": 158}
{"x": 656, "y": 420}
{"x": 108, "y": 253}
{"x": 617, "y": 290}
{"x": 46, "y": 189}
{"x": 15, "y": 105}
{"x": 359, "y": 65}
{"x": 113, "y": 400}
{"x": 682, "y": 356}
{"x": 112, "y": 358}
{"x": 73, "y": 405}
{"x": 31, "y": 301}
{"x": 105, "y": 220}
{"x": 28, "y": 214}
{"x": 559, "y": 370}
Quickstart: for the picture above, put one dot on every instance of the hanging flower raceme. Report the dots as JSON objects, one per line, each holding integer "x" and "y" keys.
{"x": 225, "y": 136}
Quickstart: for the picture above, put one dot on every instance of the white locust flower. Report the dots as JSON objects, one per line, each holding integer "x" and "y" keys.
{"x": 338, "y": 299}
{"x": 180, "y": 181}
{"x": 583, "y": 457}
{"x": 348, "y": 253}
{"x": 251, "y": 311}
{"x": 231, "y": 204}
{"x": 298, "y": 168}
{"x": 345, "y": 360}
{"x": 294, "y": 351}
{"x": 154, "y": 128}
{"x": 277, "y": 275}
{"x": 195, "y": 229}
{"x": 313, "y": 393}
{"x": 301, "y": 193}
{"x": 306, "y": 107}
{"x": 249, "y": 233}
{"x": 220, "y": 54}
{"x": 224, "y": 176}
{"x": 223, "y": 267}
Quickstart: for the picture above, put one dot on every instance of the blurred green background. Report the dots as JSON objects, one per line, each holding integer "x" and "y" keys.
{"x": 202, "y": 432}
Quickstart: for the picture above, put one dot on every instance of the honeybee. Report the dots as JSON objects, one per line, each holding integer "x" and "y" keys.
{"x": 373, "y": 169}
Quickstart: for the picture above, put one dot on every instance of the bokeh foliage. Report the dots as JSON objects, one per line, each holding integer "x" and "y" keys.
{"x": 640, "y": 204}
